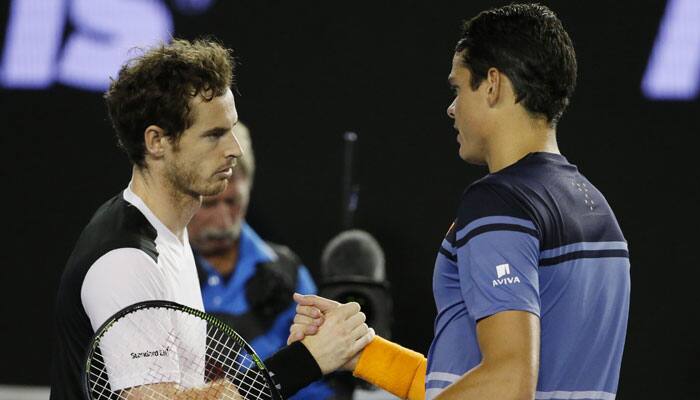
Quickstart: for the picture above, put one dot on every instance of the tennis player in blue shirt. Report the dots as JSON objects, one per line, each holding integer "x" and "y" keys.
{"x": 532, "y": 281}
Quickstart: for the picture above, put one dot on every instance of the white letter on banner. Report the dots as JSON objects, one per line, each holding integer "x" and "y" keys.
{"x": 106, "y": 31}
{"x": 32, "y": 40}
{"x": 673, "y": 72}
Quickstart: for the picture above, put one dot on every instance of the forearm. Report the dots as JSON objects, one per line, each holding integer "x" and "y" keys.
{"x": 393, "y": 368}
{"x": 502, "y": 380}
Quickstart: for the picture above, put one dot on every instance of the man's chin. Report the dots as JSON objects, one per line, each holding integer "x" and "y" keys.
{"x": 214, "y": 188}
{"x": 472, "y": 159}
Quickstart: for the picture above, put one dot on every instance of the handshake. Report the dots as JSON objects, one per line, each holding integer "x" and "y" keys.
{"x": 337, "y": 337}
{"x": 335, "y": 334}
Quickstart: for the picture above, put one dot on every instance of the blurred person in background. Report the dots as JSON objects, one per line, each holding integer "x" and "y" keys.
{"x": 246, "y": 281}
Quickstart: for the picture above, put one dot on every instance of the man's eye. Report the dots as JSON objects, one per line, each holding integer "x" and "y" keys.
{"x": 215, "y": 134}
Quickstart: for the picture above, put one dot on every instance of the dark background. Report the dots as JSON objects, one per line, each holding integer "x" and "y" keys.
{"x": 309, "y": 71}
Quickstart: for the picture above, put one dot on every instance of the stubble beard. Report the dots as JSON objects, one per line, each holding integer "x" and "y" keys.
{"x": 184, "y": 179}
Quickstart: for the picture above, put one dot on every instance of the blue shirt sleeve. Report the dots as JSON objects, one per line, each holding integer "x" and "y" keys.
{"x": 497, "y": 253}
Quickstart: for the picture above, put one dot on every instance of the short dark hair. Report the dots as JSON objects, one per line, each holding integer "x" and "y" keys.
{"x": 528, "y": 44}
{"x": 155, "y": 89}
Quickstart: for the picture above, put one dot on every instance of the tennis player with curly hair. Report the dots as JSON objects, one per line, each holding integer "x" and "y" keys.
{"x": 174, "y": 113}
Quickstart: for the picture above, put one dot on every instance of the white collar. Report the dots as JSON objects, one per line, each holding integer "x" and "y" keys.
{"x": 161, "y": 229}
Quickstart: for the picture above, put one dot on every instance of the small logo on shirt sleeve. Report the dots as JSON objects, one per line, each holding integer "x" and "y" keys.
{"x": 503, "y": 269}
{"x": 502, "y": 272}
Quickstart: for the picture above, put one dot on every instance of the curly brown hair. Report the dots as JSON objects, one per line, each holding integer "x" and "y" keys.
{"x": 156, "y": 87}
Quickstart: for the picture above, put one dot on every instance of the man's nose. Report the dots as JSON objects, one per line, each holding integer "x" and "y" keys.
{"x": 451, "y": 109}
{"x": 233, "y": 147}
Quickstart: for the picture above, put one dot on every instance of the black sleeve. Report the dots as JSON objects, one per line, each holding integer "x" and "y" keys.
{"x": 293, "y": 367}
{"x": 483, "y": 200}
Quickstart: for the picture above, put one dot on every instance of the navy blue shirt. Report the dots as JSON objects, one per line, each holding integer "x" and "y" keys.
{"x": 536, "y": 236}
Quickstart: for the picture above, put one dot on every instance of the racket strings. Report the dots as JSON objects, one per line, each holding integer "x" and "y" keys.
{"x": 165, "y": 353}
{"x": 241, "y": 369}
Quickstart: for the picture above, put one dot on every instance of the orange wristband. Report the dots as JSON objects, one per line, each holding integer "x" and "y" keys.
{"x": 393, "y": 368}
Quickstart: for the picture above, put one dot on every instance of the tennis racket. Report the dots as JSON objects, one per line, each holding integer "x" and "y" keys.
{"x": 165, "y": 350}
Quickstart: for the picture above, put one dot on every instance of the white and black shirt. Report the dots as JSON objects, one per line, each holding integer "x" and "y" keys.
{"x": 125, "y": 255}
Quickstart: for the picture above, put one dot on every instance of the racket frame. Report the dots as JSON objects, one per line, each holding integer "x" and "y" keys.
{"x": 210, "y": 319}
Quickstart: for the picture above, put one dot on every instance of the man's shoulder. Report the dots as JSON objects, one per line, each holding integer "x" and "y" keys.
{"x": 119, "y": 217}
{"x": 116, "y": 224}
{"x": 492, "y": 203}
{"x": 525, "y": 188}
{"x": 504, "y": 182}
{"x": 491, "y": 195}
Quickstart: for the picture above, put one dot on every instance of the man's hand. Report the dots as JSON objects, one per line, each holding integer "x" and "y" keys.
{"x": 341, "y": 336}
{"x": 310, "y": 315}
{"x": 216, "y": 390}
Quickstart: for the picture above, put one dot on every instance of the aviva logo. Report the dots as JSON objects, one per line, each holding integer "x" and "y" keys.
{"x": 502, "y": 273}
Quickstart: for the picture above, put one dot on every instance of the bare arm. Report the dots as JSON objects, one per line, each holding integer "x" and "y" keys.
{"x": 510, "y": 348}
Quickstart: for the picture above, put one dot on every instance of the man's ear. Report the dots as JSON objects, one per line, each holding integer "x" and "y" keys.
{"x": 494, "y": 85}
{"x": 155, "y": 139}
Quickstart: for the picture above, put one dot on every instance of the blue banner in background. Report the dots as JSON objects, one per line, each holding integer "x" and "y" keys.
{"x": 673, "y": 71}
{"x": 105, "y": 33}
{"x": 102, "y": 35}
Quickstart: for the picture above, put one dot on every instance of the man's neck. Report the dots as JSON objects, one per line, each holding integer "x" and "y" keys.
{"x": 517, "y": 138}
{"x": 173, "y": 208}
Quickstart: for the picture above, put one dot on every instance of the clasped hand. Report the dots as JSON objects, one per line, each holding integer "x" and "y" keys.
{"x": 334, "y": 333}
